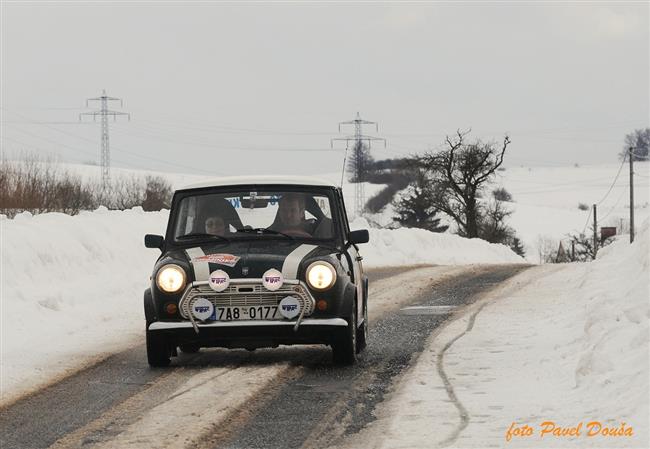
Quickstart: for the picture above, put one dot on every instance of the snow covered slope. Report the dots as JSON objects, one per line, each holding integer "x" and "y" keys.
{"x": 567, "y": 344}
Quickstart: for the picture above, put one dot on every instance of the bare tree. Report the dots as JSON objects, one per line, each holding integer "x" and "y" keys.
{"x": 546, "y": 249}
{"x": 639, "y": 140}
{"x": 492, "y": 223}
{"x": 461, "y": 172}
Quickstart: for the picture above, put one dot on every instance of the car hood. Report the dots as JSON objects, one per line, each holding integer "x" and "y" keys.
{"x": 249, "y": 259}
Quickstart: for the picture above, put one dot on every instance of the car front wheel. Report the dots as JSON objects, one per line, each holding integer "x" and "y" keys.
{"x": 158, "y": 350}
{"x": 344, "y": 347}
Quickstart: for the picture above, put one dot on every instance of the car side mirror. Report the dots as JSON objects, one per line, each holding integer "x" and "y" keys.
{"x": 154, "y": 241}
{"x": 360, "y": 236}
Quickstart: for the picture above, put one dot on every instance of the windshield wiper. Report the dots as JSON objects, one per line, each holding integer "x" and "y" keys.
{"x": 264, "y": 231}
{"x": 202, "y": 235}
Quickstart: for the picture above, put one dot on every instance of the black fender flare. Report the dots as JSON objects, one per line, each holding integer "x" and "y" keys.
{"x": 149, "y": 308}
{"x": 349, "y": 298}
{"x": 365, "y": 289}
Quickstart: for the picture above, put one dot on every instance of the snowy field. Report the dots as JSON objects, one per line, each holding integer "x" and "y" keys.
{"x": 545, "y": 201}
{"x": 562, "y": 344}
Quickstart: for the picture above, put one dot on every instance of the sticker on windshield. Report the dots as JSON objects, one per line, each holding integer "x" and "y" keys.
{"x": 222, "y": 259}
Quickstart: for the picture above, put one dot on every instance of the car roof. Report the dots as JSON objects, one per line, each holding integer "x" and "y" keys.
{"x": 260, "y": 180}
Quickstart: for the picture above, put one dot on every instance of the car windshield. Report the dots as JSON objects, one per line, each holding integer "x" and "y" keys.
{"x": 275, "y": 213}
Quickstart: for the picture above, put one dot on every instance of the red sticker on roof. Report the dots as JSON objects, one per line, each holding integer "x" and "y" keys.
{"x": 222, "y": 259}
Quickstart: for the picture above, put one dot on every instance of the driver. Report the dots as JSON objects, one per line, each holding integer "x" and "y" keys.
{"x": 291, "y": 215}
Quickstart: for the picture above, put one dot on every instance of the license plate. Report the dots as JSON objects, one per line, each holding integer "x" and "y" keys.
{"x": 245, "y": 313}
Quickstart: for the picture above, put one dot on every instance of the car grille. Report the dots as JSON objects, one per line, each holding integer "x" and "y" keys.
{"x": 243, "y": 295}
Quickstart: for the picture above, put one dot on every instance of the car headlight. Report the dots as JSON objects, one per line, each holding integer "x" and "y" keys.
{"x": 171, "y": 278}
{"x": 321, "y": 275}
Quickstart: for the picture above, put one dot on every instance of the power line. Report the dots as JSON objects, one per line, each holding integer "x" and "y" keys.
{"x": 130, "y": 153}
{"x": 29, "y": 145}
{"x": 219, "y": 148}
{"x": 614, "y": 206}
{"x": 614, "y": 182}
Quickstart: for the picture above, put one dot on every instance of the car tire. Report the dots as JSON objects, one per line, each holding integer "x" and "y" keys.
{"x": 344, "y": 347}
{"x": 189, "y": 348}
{"x": 362, "y": 331}
{"x": 158, "y": 350}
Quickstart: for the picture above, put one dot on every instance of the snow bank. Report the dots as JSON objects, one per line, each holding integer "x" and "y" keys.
{"x": 567, "y": 344}
{"x": 71, "y": 287}
{"x": 406, "y": 246}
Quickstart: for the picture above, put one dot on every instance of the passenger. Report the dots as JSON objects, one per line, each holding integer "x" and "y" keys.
{"x": 215, "y": 226}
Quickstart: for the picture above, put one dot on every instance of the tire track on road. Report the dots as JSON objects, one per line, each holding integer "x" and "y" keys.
{"x": 486, "y": 300}
{"x": 464, "y": 415}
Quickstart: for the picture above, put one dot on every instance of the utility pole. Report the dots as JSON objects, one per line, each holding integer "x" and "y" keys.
{"x": 104, "y": 112}
{"x": 631, "y": 158}
{"x": 359, "y": 140}
{"x": 595, "y": 233}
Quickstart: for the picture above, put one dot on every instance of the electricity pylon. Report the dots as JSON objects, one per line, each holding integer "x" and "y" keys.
{"x": 359, "y": 139}
{"x": 104, "y": 112}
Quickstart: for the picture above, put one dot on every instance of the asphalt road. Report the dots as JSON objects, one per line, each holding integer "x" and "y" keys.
{"x": 313, "y": 405}
{"x": 327, "y": 403}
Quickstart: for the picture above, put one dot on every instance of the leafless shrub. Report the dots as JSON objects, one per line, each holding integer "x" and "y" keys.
{"x": 501, "y": 194}
{"x": 38, "y": 185}
{"x": 547, "y": 248}
{"x": 158, "y": 194}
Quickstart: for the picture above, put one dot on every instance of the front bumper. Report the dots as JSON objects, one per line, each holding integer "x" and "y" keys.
{"x": 250, "y": 334}
{"x": 167, "y": 325}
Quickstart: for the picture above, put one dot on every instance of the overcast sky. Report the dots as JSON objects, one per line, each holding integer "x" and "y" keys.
{"x": 220, "y": 88}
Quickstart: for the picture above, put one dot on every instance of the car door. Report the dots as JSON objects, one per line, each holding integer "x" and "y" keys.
{"x": 355, "y": 257}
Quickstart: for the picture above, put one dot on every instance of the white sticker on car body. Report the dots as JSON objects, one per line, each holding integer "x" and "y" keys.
{"x": 228, "y": 260}
{"x": 292, "y": 262}
{"x": 201, "y": 267}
